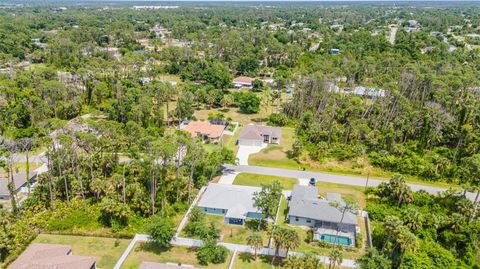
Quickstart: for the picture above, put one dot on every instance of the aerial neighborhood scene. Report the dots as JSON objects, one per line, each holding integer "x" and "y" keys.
{"x": 239, "y": 134}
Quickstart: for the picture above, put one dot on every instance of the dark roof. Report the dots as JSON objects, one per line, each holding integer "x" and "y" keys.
{"x": 19, "y": 180}
{"x": 255, "y": 132}
{"x": 51, "y": 256}
{"x": 305, "y": 204}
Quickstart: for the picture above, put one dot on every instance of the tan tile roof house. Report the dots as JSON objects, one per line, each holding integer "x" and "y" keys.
{"x": 254, "y": 135}
{"x": 243, "y": 82}
{"x": 205, "y": 129}
{"x": 51, "y": 256}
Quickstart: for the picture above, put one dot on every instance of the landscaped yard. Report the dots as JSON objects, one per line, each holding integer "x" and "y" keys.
{"x": 247, "y": 261}
{"x": 145, "y": 252}
{"x": 106, "y": 250}
{"x": 277, "y": 155}
{"x": 314, "y": 247}
{"x": 355, "y": 192}
{"x": 247, "y": 179}
{"x": 229, "y": 233}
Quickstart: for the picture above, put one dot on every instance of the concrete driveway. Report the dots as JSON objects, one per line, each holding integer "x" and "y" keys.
{"x": 244, "y": 152}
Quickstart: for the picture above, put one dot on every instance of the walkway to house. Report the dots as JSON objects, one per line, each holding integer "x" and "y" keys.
{"x": 188, "y": 242}
{"x": 244, "y": 152}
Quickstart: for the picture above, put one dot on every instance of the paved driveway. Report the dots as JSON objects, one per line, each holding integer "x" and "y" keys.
{"x": 244, "y": 152}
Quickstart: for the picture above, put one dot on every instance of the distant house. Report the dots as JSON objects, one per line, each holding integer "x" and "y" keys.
{"x": 233, "y": 201}
{"x": 154, "y": 265}
{"x": 243, "y": 82}
{"x": 50, "y": 256}
{"x": 254, "y": 135}
{"x": 306, "y": 209}
{"x": 368, "y": 92}
{"x": 19, "y": 182}
{"x": 208, "y": 131}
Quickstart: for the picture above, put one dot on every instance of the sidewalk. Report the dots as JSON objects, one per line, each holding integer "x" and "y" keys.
{"x": 189, "y": 242}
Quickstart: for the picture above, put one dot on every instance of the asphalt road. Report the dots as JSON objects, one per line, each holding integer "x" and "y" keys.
{"x": 325, "y": 177}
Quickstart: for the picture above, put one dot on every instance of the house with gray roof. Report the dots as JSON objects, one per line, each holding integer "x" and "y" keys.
{"x": 19, "y": 182}
{"x": 255, "y": 135}
{"x": 306, "y": 209}
{"x": 232, "y": 201}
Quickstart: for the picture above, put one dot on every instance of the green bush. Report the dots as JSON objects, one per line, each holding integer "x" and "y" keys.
{"x": 212, "y": 253}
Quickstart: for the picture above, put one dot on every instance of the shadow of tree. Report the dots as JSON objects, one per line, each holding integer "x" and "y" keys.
{"x": 246, "y": 257}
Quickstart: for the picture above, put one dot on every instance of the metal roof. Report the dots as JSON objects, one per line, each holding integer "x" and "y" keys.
{"x": 305, "y": 204}
{"x": 237, "y": 200}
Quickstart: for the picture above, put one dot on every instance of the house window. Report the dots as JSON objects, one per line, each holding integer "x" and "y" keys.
{"x": 205, "y": 209}
{"x": 309, "y": 221}
{"x": 224, "y": 211}
{"x": 296, "y": 219}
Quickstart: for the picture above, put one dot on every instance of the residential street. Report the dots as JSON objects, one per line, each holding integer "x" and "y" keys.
{"x": 332, "y": 178}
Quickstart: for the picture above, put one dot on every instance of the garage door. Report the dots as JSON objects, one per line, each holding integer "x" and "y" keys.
{"x": 246, "y": 142}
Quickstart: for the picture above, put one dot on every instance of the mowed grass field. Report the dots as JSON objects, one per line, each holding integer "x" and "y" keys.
{"x": 145, "y": 252}
{"x": 106, "y": 250}
{"x": 247, "y": 179}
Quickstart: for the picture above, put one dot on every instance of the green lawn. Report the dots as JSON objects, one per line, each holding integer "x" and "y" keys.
{"x": 356, "y": 192}
{"x": 145, "y": 252}
{"x": 247, "y": 261}
{"x": 247, "y": 179}
{"x": 229, "y": 233}
{"x": 106, "y": 250}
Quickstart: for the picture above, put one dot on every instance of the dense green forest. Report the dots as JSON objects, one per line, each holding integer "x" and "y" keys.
{"x": 118, "y": 82}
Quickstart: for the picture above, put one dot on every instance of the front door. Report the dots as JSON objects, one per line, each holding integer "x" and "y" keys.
{"x": 266, "y": 139}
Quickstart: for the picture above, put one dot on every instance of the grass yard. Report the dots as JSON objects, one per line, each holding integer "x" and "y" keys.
{"x": 229, "y": 233}
{"x": 247, "y": 179}
{"x": 106, "y": 250}
{"x": 234, "y": 114}
{"x": 277, "y": 155}
{"x": 145, "y": 252}
{"x": 355, "y": 192}
{"x": 247, "y": 261}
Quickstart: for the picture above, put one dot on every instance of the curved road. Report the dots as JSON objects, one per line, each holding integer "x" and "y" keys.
{"x": 331, "y": 178}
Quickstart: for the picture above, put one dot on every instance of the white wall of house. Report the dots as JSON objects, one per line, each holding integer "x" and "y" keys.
{"x": 215, "y": 211}
{"x": 301, "y": 221}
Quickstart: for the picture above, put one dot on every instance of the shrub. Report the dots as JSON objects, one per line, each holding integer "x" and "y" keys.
{"x": 212, "y": 253}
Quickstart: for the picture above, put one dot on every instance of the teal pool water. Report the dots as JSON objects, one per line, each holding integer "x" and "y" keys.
{"x": 335, "y": 239}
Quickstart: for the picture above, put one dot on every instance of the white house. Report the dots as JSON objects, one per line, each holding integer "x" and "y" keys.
{"x": 243, "y": 82}
{"x": 326, "y": 220}
{"x": 254, "y": 135}
{"x": 233, "y": 201}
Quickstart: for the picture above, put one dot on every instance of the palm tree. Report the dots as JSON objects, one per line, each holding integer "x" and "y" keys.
{"x": 292, "y": 240}
{"x": 255, "y": 241}
{"x": 348, "y": 205}
{"x": 277, "y": 233}
{"x": 4, "y": 218}
{"x": 413, "y": 219}
{"x": 311, "y": 261}
{"x": 294, "y": 262}
{"x": 391, "y": 225}
{"x": 336, "y": 258}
